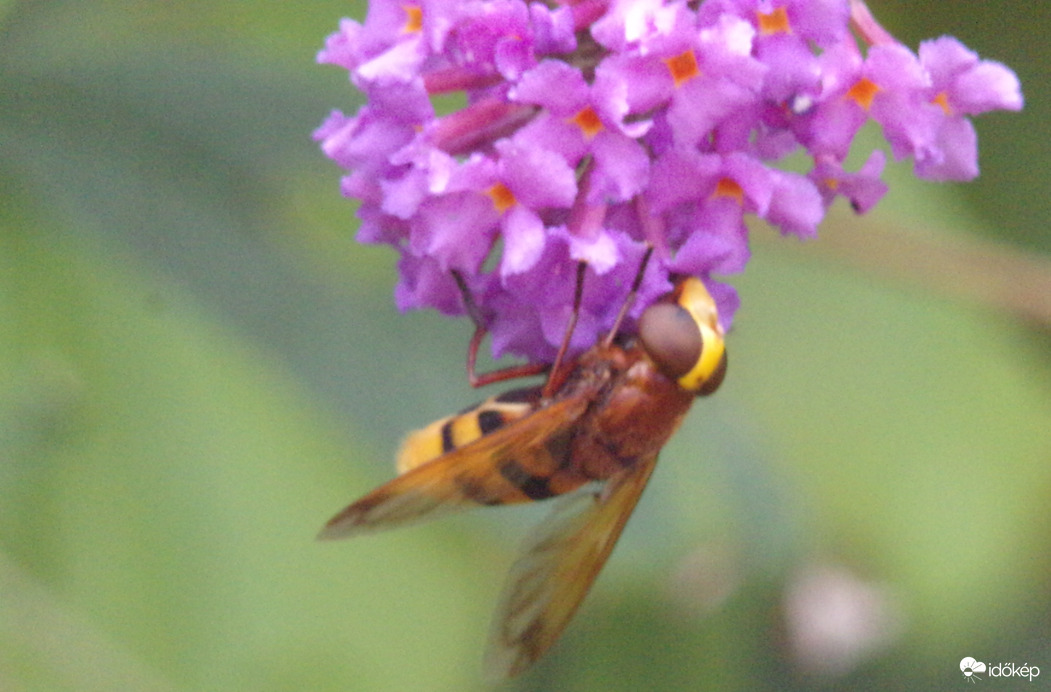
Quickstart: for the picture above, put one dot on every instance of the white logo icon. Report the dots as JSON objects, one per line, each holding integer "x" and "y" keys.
{"x": 971, "y": 668}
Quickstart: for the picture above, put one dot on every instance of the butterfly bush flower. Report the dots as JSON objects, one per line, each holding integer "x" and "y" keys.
{"x": 592, "y": 130}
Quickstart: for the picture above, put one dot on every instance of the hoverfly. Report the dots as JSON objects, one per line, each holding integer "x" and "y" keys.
{"x": 591, "y": 434}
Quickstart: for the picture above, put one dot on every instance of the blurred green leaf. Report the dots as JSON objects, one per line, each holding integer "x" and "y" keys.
{"x": 163, "y": 489}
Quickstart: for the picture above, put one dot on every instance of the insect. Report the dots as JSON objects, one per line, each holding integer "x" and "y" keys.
{"x": 591, "y": 434}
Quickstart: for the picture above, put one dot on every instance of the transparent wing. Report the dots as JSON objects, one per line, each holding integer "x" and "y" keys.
{"x": 558, "y": 565}
{"x": 465, "y": 477}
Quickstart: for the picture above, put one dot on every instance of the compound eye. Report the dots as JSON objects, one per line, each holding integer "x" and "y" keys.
{"x": 671, "y": 338}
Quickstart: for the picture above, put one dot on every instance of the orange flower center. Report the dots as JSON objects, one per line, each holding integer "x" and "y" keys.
{"x": 775, "y": 22}
{"x": 942, "y": 99}
{"x": 588, "y": 121}
{"x": 863, "y": 91}
{"x": 683, "y": 67}
{"x": 503, "y": 198}
{"x": 728, "y": 187}
{"x": 413, "y": 19}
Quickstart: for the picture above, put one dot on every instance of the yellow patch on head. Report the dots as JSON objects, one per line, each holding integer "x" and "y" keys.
{"x": 694, "y": 297}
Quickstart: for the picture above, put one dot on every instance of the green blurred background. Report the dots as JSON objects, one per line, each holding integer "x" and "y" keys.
{"x": 198, "y": 367}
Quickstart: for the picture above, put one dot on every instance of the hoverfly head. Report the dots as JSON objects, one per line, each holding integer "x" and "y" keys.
{"x": 682, "y": 335}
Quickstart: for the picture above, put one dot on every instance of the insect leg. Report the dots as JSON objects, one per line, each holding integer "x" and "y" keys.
{"x": 630, "y": 299}
{"x": 555, "y": 377}
{"x": 476, "y": 380}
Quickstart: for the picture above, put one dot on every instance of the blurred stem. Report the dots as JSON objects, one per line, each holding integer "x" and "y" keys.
{"x": 962, "y": 267}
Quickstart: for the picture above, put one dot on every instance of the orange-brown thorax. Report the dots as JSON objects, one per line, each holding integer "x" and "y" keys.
{"x": 635, "y": 410}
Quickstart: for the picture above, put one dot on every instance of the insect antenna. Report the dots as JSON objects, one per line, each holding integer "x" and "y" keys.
{"x": 630, "y": 299}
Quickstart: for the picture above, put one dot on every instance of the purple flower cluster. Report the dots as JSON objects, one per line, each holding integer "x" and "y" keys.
{"x": 591, "y": 130}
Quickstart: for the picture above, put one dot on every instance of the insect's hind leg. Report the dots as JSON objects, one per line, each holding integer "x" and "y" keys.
{"x": 480, "y": 330}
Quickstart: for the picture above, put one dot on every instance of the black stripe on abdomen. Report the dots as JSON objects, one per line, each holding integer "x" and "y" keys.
{"x": 490, "y": 420}
{"x": 448, "y": 444}
{"x": 534, "y": 487}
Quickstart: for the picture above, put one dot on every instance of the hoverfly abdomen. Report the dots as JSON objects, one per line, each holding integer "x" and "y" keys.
{"x": 452, "y": 432}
